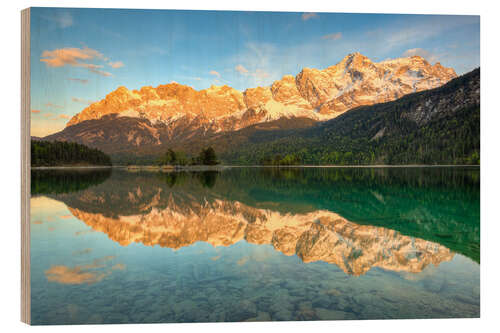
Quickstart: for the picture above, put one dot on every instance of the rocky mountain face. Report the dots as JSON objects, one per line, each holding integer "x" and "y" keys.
{"x": 175, "y": 112}
{"x": 356, "y": 81}
{"x": 456, "y": 95}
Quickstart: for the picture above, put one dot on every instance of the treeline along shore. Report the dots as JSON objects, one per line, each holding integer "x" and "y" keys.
{"x": 57, "y": 153}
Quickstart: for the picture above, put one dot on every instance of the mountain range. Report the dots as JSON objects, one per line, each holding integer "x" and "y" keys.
{"x": 147, "y": 121}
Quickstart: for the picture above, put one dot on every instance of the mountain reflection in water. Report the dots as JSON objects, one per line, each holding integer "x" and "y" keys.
{"x": 179, "y": 209}
{"x": 255, "y": 244}
{"x": 316, "y": 236}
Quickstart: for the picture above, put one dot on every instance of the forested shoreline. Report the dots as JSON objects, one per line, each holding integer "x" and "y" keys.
{"x": 57, "y": 153}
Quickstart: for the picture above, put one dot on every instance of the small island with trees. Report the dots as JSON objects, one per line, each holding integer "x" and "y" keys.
{"x": 206, "y": 157}
{"x": 170, "y": 160}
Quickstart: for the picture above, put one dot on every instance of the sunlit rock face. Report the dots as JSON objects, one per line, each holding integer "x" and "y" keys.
{"x": 316, "y": 236}
{"x": 313, "y": 93}
{"x": 165, "y": 103}
{"x": 357, "y": 81}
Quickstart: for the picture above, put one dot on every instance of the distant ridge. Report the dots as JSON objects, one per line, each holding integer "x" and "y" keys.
{"x": 147, "y": 120}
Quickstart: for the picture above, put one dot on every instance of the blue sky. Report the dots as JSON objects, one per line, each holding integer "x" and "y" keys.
{"x": 80, "y": 55}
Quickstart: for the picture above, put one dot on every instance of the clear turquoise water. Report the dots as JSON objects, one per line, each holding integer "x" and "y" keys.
{"x": 254, "y": 244}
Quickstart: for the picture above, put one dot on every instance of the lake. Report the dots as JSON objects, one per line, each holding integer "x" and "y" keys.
{"x": 114, "y": 246}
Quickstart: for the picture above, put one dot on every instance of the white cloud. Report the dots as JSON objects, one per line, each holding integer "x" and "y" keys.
{"x": 214, "y": 73}
{"x": 258, "y": 73}
{"x": 81, "y": 100}
{"x": 52, "y": 105}
{"x": 308, "y": 16}
{"x": 410, "y": 33}
{"x": 190, "y": 78}
{"x": 62, "y": 19}
{"x": 116, "y": 64}
{"x": 71, "y": 56}
{"x": 82, "y": 81}
{"x": 430, "y": 57}
{"x": 261, "y": 74}
{"x": 75, "y": 57}
{"x": 241, "y": 69}
{"x": 258, "y": 64}
{"x": 334, "y": 36}
{"x": 102, "y": 73}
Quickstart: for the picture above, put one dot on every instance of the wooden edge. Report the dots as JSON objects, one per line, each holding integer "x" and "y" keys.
{"x": 25, "y": 167}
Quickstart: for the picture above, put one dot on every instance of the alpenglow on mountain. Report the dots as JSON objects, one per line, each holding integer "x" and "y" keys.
{"x": 175, "y": 110}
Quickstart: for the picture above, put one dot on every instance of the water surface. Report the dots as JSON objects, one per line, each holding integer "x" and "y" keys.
{"x": 112, "y": 246}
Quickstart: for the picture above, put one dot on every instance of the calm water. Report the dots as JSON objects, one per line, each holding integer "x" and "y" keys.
{"x": 254, "y": 244}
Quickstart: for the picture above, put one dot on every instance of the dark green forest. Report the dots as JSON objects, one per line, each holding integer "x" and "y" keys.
{"x": 57, "y": 153}
{"x": 206, "y": 156}
{"x": 449, "y": 140}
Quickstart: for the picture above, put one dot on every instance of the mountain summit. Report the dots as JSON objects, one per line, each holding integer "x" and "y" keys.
{"x": 313, "y": 93}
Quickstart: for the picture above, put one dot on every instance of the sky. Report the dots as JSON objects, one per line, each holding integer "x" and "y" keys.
{"x": 78, "y": 56}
